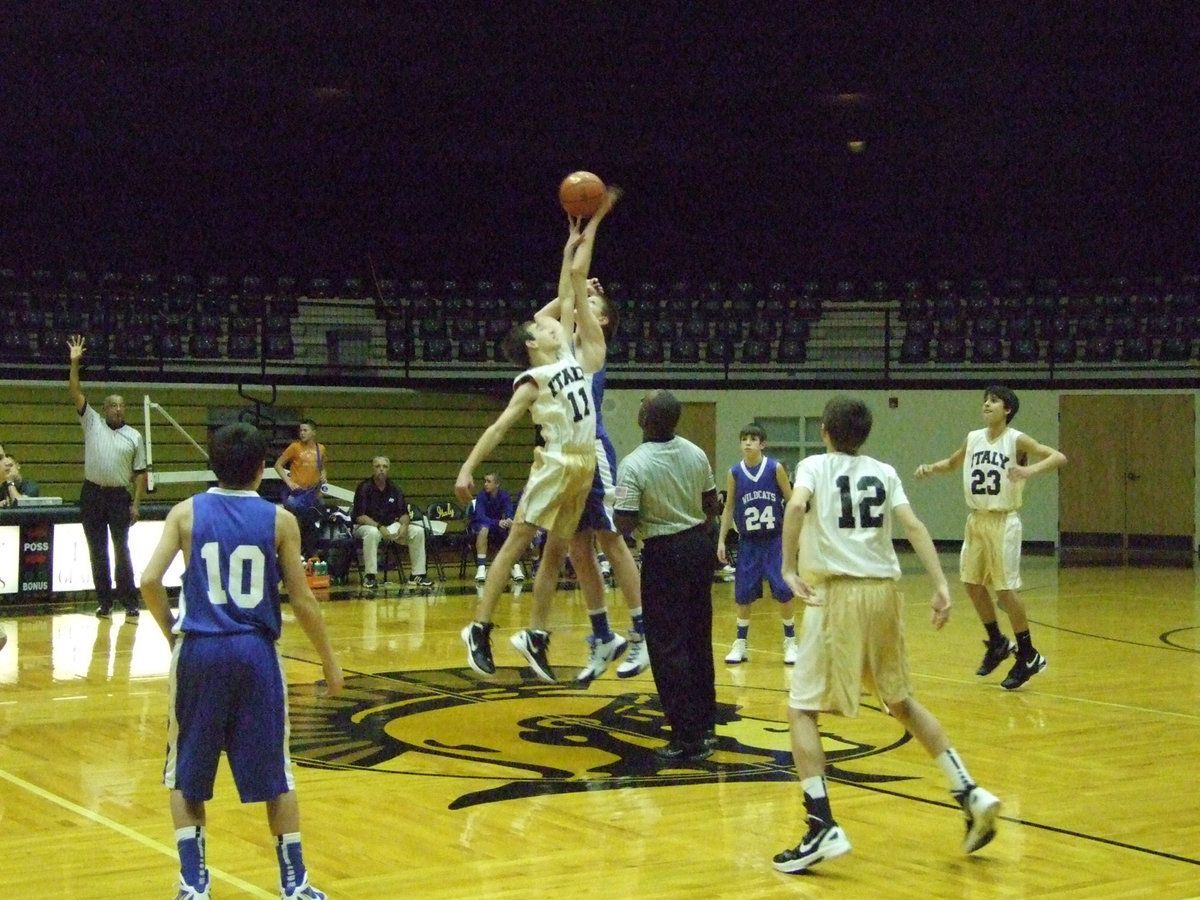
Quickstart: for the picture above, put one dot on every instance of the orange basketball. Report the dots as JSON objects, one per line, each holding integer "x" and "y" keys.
{"x": 581, "y": 194}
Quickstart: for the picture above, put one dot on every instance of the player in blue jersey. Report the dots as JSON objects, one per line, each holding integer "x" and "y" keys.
{"x": 756, "y": 491}
{"x": 227, "y": 687}
{"x": 597, "y": 526}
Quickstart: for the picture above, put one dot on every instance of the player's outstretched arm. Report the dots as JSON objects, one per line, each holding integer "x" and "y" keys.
{"x": 783, "y": 482}
{"x": 793, "y": 524}
{"x": 170, "y": 542}
{"x": 726, "y": 518}
{"x": 1049, "y": 459}
{"x": 590, "y": 346}
{"x": 300, "y": 596}
{"x": 949, "y": 464}
{"x": 922, "y": 544}
{"x": 574, "y": 235}
{"x": 523, "y": 398}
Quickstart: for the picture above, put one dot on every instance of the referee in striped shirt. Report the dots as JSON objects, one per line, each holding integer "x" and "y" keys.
{"x": 113, "y": 456}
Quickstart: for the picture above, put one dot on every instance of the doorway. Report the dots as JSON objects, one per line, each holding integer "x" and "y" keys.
{"x": 1126, "y": 494}
{"x": 698, "y": 423}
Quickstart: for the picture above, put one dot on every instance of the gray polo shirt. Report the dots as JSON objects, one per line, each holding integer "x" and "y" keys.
{"x": 110, "y": 456}
{"x": 663, "y": 483}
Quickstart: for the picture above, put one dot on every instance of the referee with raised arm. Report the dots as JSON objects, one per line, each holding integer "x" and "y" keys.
{"x": 113, "y": 455}
{"x": 666, "y": 489}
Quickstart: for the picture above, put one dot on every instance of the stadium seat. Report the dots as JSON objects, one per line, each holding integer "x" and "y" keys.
{"x": 1136, "y": 349}
{"x": 792, "y": 351}
{"x": 1101, "y": 349}
{"x": 436, "y": 349}
{"x": 649, "y": 350}
{"x": 243, "y": 346}
{"x": 685, "y": 350}
{"x": 1024, "y": 349}
{"x": 204, "y": 345}
{"x": 1064, "y": 350}
{"x": 914, "y": 349}
{"x": 472, "y": 350}
{"x": 719, "y": 350}
{"x": 1174, "y": 348}
{"x": 756, "y": 351}
{"x": 398, "y": 347}
{"x": 987, "y": 350}
{"x": 951, "y": 350}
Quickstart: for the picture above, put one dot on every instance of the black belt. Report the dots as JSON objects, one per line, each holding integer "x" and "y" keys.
{"x": 105, "y": 487}
{"x": 674, "y": 534}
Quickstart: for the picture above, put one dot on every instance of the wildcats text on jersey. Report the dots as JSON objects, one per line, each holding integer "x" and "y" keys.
{"x": 751, "y": 496}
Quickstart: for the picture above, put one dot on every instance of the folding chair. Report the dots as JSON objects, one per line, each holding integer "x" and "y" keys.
{"x": 444, "y": 534}
{"x": 434, "y": 530}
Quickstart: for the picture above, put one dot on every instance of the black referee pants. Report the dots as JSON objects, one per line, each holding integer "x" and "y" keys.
{"x": 677, "y": 573}
{"x": 105, "y": 511}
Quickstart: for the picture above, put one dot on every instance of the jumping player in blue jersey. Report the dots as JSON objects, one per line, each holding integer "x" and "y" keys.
{"x": 756, "y": 491}
{"x": 227, "y": 687}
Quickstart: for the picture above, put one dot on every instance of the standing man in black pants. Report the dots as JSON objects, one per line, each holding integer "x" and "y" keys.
{"x": 666, "y": 489}
{"x": 113, "y": 455}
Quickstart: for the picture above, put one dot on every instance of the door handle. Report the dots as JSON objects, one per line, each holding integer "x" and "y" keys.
{"x": 1132, "y": 476}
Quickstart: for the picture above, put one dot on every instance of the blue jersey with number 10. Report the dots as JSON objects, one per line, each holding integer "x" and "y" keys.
{"x": 231, "y": 583}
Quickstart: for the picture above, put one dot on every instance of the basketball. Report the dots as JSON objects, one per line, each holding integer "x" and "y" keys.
{"x": 581, "y": 194}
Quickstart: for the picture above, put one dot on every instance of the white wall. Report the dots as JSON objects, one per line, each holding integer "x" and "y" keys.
{"x": 925, "y": 426}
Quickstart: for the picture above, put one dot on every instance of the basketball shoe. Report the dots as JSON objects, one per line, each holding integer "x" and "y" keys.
{"x": 995, "y": 654}
{"x": 478, "y": 638}
{"x": 981, "y": 809}
{"x": 1022, "y": 671}
{"x": 534, "y": 645}
{"x": 637, "y": 657}
{"x": 737, "y": 653}
{"x": 187, "y": 892}
{"x": 790, "y": 651}
{"x": 303, "y": 891}
{"x": 602, "y": 653}
{"x": 825, "y": 840}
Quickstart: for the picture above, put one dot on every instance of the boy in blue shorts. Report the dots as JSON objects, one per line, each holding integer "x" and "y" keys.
{"x": 227, "y": 688}
{"x": 756, "y": 491}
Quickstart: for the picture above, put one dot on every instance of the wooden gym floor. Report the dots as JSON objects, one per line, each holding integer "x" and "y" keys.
{"x": 422, "y": 781}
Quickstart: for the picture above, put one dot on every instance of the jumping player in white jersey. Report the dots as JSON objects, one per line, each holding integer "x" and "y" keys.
{"x": 556, "y": 389}
{"x": 993, "y": 461}
{"x": 596, "y": 527}
{"x": 756, "y": 490}
{"x": 227, "y": 688}
{"x": 853, "y": 631}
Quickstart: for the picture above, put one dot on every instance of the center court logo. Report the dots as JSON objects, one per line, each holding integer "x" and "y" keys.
{"x": 515, "y": 738}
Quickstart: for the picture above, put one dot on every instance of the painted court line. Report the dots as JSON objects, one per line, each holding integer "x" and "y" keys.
{"x": 124, "y": 831}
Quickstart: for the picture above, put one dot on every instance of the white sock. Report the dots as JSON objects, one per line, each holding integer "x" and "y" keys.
{"x": 956, "y": 773}
{"x": 814, "y": 786}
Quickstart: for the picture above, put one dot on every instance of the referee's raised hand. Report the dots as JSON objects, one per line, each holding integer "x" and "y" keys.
{"x": 76, "y": 343}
